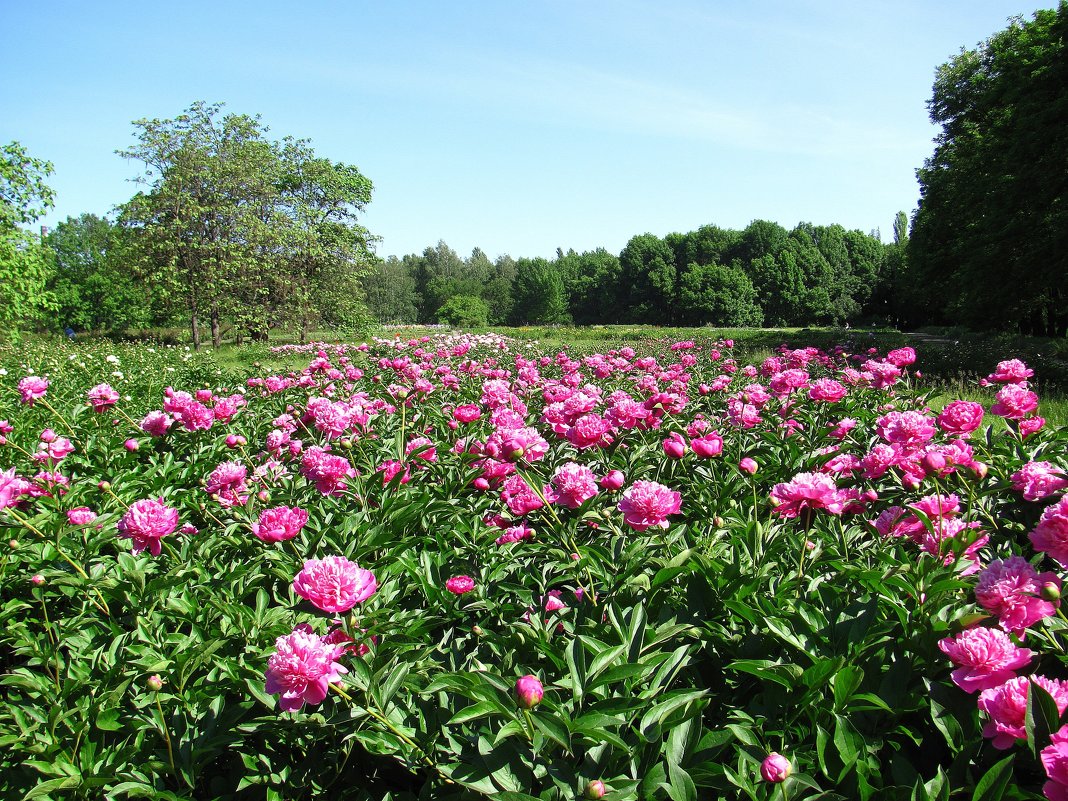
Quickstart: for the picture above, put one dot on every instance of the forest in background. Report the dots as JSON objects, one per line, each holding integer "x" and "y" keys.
{"x": 233, "y": 231}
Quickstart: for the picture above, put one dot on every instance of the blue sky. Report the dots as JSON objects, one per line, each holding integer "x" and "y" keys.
{"x": 516, "y": 127}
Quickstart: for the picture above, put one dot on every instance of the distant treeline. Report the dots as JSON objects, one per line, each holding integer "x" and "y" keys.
{"x": 762, "y": 275}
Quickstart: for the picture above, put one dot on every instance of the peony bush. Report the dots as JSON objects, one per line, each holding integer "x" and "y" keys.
{"x": 458, "y": 566}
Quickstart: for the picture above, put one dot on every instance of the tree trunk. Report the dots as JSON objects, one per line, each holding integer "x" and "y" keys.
{"x": 196, "y": 331}
{"x": 304, "y": 331}
{"x": 216, "y": 338}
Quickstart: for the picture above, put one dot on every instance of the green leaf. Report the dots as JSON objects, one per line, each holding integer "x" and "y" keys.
{"x": 553, "y": 728}
{"x": 51, "y": 785}
{"x": 1041, "y": 718}
{"x": 994, "y": 782}
{"x": 480, "y": 710}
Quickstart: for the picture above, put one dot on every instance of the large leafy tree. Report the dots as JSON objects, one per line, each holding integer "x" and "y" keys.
{"x": 989, "y": 241}
{"x": 246, "y": 229}
{"x": 538, "y": 293}
{"x": 97, "y": 284}
{"x": 391, "y": 295}
{"x": 24, "y": 263}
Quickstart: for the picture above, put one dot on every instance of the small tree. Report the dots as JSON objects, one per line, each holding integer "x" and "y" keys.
{"x": 464, "y": 311}
{"x": 25, "y": 265}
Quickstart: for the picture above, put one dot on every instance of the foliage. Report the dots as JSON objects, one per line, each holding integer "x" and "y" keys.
{"x": 96, "y": 283}
{"x": 249, "y": 230}
{"x": 992, "y": 213}
{"x": 24, "y": 264}
{"x": 538, "y": 295}
{"x": 464, "y": 311}
{"x": 673, "y": 658}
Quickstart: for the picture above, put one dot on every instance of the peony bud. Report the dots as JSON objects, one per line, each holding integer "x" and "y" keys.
{"x": 1051, "y": 591}
{"x": 155, "y": 683}
{"x": 131, "y": 445}
{"x": 481, "y": 484}
{"x": 37, "y": 579}
{"x": 613, "y": 481}
{"x": 748, "y": 465}
{"x": 594, "y": 790}
{"x": 775, "y": 768}
{"x": 528, "y": 691}
{"x": 675, "y": 446}
{"x": 934, "y": 461}
{"x": 104, "y": 486}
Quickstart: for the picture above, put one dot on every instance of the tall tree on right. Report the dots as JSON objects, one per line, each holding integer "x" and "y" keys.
{"x": 989, "y": 240}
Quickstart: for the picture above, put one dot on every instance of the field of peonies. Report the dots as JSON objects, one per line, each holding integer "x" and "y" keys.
{"x": 456, "y": 566}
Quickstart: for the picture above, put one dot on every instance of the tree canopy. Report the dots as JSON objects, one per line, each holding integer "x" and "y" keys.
{"x": 24, "y": 263}
{"x": 247, "y": 229}
{"x": 989, "y": 241}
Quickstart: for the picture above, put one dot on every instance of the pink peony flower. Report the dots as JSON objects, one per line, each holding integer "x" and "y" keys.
{"x": 909, "y": 430}
{"x": 334, "y": 584}
{"x": 613, "y": 480}
{"x": 146, "y": 523}
{"x": 1011, "y": 589}
{"x": 458, "y": 585}
{"x": 102, "y": 397}
{"x": 960, "y": 418}
{"x": 1030, "y": 425}
{"x": 1038, "y": 480}
{"x": 591, "y": 431}
{"x": 675, "y": 446}
{"x": 646, "y": 504}
{"x": 571, "y": 485}
{"x": 156, "y": 423}
{"x": 227, "y": 484}
{"x": 827, "y": 390}
{"x": 1051, "y": 533}
{"x": 279, "y": 523}
{"x": 707, "y": 446}
{"x": 326, "y": 470}
{"x": 302, "y": 668}
{"x": 1012, "y": 371}
{"x": 1007, "y": 706}
{"x": 519, "y": 497}
{"x": 985, "y": 658}
{"x": 81, "y": 516}
{"x": 1055, "y": 760}
{"x": 902, "y": 357}
{"x": 775, "y": 768}
{"x": 515, "y": 534}
{"x": 1015, "y": 402}
{"x": 32, "y": 388}
{"x": 467, "y": 413}
{"x": 807, "y": 491}
{"x": 528, "y": 691}
{"x": 421, "y": 449}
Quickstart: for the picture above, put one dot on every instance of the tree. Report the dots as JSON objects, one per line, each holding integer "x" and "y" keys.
{"x": 390, "y": 290}
{"x": 464, "y": 311}
{"x": 96, "y": 284}
{"x": 24, "y": 263}
{"x": 712, "y": 294}
{"x": 648, "y": 276}
{"x": 591, "y": 281}
{"x": 993, "y": 210}
{"x": 246, "y": 229}
{"x": 538, "y": 293}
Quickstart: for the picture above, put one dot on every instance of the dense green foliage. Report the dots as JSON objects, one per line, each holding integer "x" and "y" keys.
{"x": 24, "y": 263}
{"x": 243, "y": 229}
{"x": 673, "y": 657}
{"x": 712, "y": 276}
{"x": 989, "y": 243}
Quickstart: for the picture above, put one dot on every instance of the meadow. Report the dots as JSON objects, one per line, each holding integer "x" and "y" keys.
{"x": 535, "y": 564}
